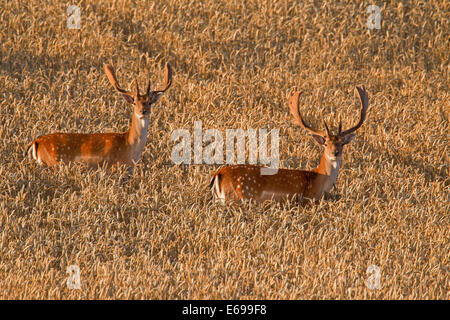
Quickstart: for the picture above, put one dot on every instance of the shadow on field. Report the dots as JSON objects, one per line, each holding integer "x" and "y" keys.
{"x": 414, "y": 166}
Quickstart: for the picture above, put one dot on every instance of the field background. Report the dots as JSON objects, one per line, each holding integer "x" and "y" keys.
{"x": 157, "y": 234}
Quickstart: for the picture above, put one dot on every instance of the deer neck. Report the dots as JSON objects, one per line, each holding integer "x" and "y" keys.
{"x": 137, "y": 135}
{"x": 327, "y": 170}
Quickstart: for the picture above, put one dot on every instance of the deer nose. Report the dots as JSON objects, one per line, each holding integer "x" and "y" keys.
{"x": 336, "y": 153}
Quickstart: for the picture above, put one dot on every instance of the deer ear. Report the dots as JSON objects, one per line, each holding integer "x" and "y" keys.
{"x": 319, "y": 139}
{"x": 348, "y": 138}
{"x": 128, "y": 98}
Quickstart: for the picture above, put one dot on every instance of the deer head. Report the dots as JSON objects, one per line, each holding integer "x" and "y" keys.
{"x": 332, "y": 143}
{"x": 142, "y": 102}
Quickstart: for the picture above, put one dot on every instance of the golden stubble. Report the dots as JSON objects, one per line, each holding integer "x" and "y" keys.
{"x": 157, "y": 234}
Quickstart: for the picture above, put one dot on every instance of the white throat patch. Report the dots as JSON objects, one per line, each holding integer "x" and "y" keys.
{"x": 334, "y": 163}
{"x": 333, "y": 160}
{"x": 142, "y": 119}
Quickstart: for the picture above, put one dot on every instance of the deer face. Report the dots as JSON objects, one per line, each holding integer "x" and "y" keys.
{"x": 143, "y": 103}
{"x": 333, "y": 144}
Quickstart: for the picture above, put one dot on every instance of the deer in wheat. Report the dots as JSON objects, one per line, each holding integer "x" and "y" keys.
{"x": 237, "y": 182}
{"x": 103, "y": 148}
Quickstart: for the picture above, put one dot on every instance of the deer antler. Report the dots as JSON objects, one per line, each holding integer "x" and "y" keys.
{"x": 148, "y": 87}
{"x": 109, "y": 70}
{"x": 167, "y": 79}
{"x": 364, "y": 105}
{"x": 326, "y": 127}
{"x": 137, "y": 88}
{"x": 295, "y": 111}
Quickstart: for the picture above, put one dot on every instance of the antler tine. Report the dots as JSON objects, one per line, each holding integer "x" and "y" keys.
{"x": 137, "y": 87}
{"x": 148, "y": 87}
{"x": 109, "y": 70}
{"x": 364, "y": 106}
{"x": 298, "y": 119}
{"x": 168, "y": 78}
{"x": 326, "y": 127}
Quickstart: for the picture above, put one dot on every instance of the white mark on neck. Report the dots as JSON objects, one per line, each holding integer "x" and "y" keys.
{"x": 334, "y": 162}
{"x": 139, "y": 133}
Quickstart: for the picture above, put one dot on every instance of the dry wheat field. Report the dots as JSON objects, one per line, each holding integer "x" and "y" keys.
{"x": 157, "y": 233}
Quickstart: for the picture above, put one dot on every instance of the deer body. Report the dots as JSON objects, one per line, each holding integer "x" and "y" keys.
{"x": 92, "y": 149}
{"x": 247, "y": 182}
{"x": 102, "y": 148}
{"x": 251, "y": 182}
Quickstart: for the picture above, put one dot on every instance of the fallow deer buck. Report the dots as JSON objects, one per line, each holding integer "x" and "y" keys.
{"x": 246, "y": 181}
{"x": 103, "y": 148}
